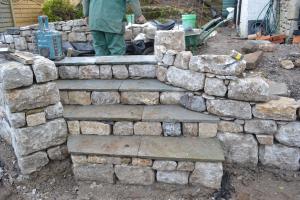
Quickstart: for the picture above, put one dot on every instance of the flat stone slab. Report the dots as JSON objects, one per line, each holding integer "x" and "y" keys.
{"x": 105, "y": 112}
{"x": 174, "y": 113}
{"x": 108, "y": 60}
{"x": 89, "y": 85}
{"x": 153, "y": 147}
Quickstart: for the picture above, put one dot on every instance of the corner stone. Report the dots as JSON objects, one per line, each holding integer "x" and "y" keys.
{"x": 44, "y": 70}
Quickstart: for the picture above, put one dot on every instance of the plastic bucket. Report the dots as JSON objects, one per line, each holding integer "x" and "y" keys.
{"x": 130, "y": 18}
{"x": 189, "y": 21}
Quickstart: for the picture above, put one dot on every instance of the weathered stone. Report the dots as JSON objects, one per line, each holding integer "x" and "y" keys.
{"x": 169, "y": 58}
{"x": 100, "y": 98}
{"x": 77, "y": 37}
{"x": 135, "y": 175}
{"x": 20, "y": 43}
{"x": 54, "y": 111}
{"x": 267, "y": 47}
{"x": 186, "y": 79}
{"x": 207, "y": 174}
{"x": 240, "y": 149}
{"x": 278, "y": 89}
{"x": 147, "y": 128}
{"x": 190, "y": 129}
{"x": 142, "y": 71}
{"x": 94, "y": 172}
{"x": 284, "y": 109}
{"x": 287, "y": 64}
{"x": 15, "y": 75}
{"x": 148, "y": 98}
{"x": 5, "y": 130}
{"x": 105, "y": 72}
{"x": 89, "y": 72}
{"x": 173, "y": 177}
{"x": 208, "y": 130}
{"x": 229, "y": 108}
{"x": 280, "y": 156}
{"x": 159, "y": 52}
{"x": 169, "y": 98}
{"x": 164, "y": 165}
{"x": 191, "y": 102}
{"x": 183, "y": 59}
{"x": 297, "y": 62}
{"x": 141, "y": 162}
{"x": 249, "y": 89}
{"x": 64, "y": 97}
{"x": 215, "y": 87}
{"x": 161, "y": 73}
{"x": 58, "y": 153}
{"x": 74, "y": 127}
{"x": 120, "y": 71}
{"x": 123, "y": 128}
{"x": 167, "y": 38}
{"x": 265, "y": 139}
{"x": 44, "y": 70}
{"x": 52, "y": 133}
{"x": 80, "y": 97}
{"x": 35, "y": 96}
{"x": 289, "y": 134}
{"x": 17, "y": 120}
{"x": 217, "y": 64}
{"x": 33, "y": 162}
{"x": 252, "y": 59}
{"x": 79, "y": 159}
{"x": 260, "y": 126}
{"x": 231, "y": 127}
{"x": 108, "y": 160}
{"x": 68, "y": 72}
{"x": 36, "y": 119}
{"x": 185, "y": 166}
{"x": 171, "y": 129}
{"x": 94, "y": 128}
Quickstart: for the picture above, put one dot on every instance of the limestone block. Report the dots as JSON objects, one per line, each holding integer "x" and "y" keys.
{"x": 68, "y": 72}
{"x": 77, "y": 37}
{"x": 100, "y": 98}
{"x": 123, "y": 128}
{"x": 191, "y": 102}
{"x": 147, "y": 128}
{"x": 159, "y": 52}
{"x": 79, "y": 159}
{"x": 260, "y": 126}
{"x": 142, "y": 71}
{"x": 265, "y": 139}
{"x": 94, "y": 128}
{"x": 167, "y": 38}
{"x": 207, "y": 174}
{"x": 190, "y": 129}
{"x": 79, "y": 97}
{"x": 169, "y": 57}
{"x": 171, "y": 129}
{"x": 147, "y": 98}
{"x": 142, "y": 162}
{"x": 105, "y": 72}
{"x": 33, "y": 162}
{"x": 173, "y": 177}
{"x": 229, "y": 108}
{"x": 17, "y": 120}
{"x": 20, "y": 43}
{"x": 44, "y": 70}
{"x": 185, "y": 166}
{"x": 89, "y": 72}
{"x": 215, "y": 87}
{"x": 163, "y": 165}
{"x": 183, "y": 59}
{"x": 36, "y": 119}
{"x": 208, "y": 130}
{"x": 170, "y": 98}
{"x": 108, "y": 160}
{"x": 120, "y": 71}
{"x": 64, "y": 97}
{"x": 54, "y": 111}
{"x": 289, "y": 134}
{"x": 94, "y": 172}
{"x": 135, "y": 175}
{"x": 74, "y": 127}
{"x": 161, "y": 73}
{"x": 58, "y": 153}
{"x": 79, "y": 22}
{"x": 231, "y": 127}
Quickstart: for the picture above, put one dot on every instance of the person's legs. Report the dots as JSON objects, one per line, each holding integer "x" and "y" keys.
{"x": 115, "y": 43}
{"x": 99, "y": 42}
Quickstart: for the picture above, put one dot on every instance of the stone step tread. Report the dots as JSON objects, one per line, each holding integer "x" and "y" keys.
{"x": 151, "y": 147}
{"x": 145, "y": 85}
{"x": 158, "y": 113}
{"x": 108, "y": 60}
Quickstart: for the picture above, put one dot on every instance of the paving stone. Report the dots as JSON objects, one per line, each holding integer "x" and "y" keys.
{"x": 265, "y": 139}
{"x": 58, "y": 153}
{"x": 68, "y": 72}
{"x": 36, "y": 119}
{"x": 120, "y": 71}
{"x": 54, "y": 111}
{"x": 123, "y": 128}
{"x": 142, "y": 162}
{"x": 208, "y": 130}
{"x": 33, "y": 162}
{"x": 94, "y": 172}
{"x": 163, "y": 165}
{"x": 170, "y": 98}
{"x": 183, "y": 59}
{"x": 171, "y": 129}
{"x": 73, "y": 127}
{"x": 260, "y": 126}
{"x": 194, "y": 103}
{"x": 80, "y": 98}
{"x": 190, "y": 129}
{"x": 289, "y": 134}
{"x": 105, "y": 72}
{"x": 215, "y": 87}
{"x": 108, "y": 160}
{"x": 147, "y": 98}
{"x": 231, "y": 127}
{"x": 89, "y": 72}
{"x": 89, "y": 85}
{"x": 253, "y": 59}
{"x": 185, "y": 166}
{"x": 100, "y": 98}
{"x": 173, "y": 177}
{"x": 147, "y": 128}
{"x": 17, "y": 120}
{"x": 135, "y": 175}
{"x": 142, "y": 71}
{"x": 94, "y": 128}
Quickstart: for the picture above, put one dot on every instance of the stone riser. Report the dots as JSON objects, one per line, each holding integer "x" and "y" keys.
{"x": 139, "y": 171}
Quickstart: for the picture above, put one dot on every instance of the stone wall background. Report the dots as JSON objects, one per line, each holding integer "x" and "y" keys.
{"x": 289, "y": 13}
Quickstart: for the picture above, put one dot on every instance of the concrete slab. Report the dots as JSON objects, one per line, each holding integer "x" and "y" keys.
{"x": 148, "y": 85}
{"x": 105, "y": 113}
{"x": 89, "y": 85}
{"x": 174, "y": 113}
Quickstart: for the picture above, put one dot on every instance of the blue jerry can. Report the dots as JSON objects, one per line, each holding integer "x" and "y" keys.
{"x": 49, "y": 42}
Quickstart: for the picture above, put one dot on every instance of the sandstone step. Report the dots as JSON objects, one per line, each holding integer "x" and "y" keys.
{"x": 159, "y": 113}
{"x": 108, "y": 60}
{"x": 145, "y": 85}
{"x": 150, "y": 147}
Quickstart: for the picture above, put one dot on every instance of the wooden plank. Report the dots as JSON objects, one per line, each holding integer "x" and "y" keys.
{"x": 23, "y": 57}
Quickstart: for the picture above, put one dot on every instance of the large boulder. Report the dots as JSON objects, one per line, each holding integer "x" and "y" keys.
{"x": 289, "y": 134}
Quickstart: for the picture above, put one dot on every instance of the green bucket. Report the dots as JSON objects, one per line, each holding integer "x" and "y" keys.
{"x": 130, "y": 18}
{"x": 189, "y": 21}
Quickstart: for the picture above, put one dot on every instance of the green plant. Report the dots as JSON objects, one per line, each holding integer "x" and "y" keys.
{"x": 61, "y": 10}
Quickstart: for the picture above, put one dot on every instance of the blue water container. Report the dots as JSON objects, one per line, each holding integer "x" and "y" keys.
{"x": 49, "y": 42}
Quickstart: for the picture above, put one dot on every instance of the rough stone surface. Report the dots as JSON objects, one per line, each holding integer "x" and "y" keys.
{"x": 185, "y": 166}
{"x": 33, "y": 162}
{"x": 17, "y": 120}
{"x": 161, "y": 73}
{"x": 148, "y": 98}
{"x": 280, "y": 156}
{"x": 229, "y": 108}
{"x": 78, "y": 159}
{"x": 74, "y": 127}
{"x": 135, "y": 175}
{"x": 77, "y": 37}
{"x": 68, "y": 72}
{"x": 44, "y": 70}
{"x": 240, "y": 149}
{"x": 94, "y": 128}
{"x": 94, "y": 172}
{"x": 54, "y": 111}
{"x": 15, "y": 75}
{"x": 159, "y": 51}
{"x": 169, "y": 58}
{"x": 35, "y": 96}
{"x": 173, "y": 177}
{"x": 64, "y": 97}
{"x": 287, "y": 64}
{"x": 284, "y": 109}
{"x": 190, "y": 129}
{"x": 170, "y": 97}
{"x": 183, "y": 59}
{"x": 252, "y": 59}
{"x": 217, "y": 64}
{"x": 164, "y": 165}
{"x": 89, "y": 72}
{"x": 142, "y": 162}
{"x": 167, "y": 38}
{"x": 105, "y": 72}
{"x": 100, "y": 98}
{"x": 58, "y": 153}
{"x": 120, "y": 72}
{"x": 289, "y": 134}
{"x": 171, "y": 129}
{"x": 207, "y": 174}
{"x": 260, "y": 126}
{"x": 265, "y": 139}
{"x": 147, "y": 128}
{"x": 215, "y": 87}
{"x": 142, "y": 71}
{"x": 231, "y": 127}
{"x": 249, "y": 89}
{"x": 79, "y": 98}
{"x": 186, "y": 79}
{"x": 36, "y": 119}
{"x": 208, "y": 130}
{"x": 191, "y": 102}
{"x": 108, "y": 160}
{"x": 20, "y": 43}
{"x": 123, "y": 128}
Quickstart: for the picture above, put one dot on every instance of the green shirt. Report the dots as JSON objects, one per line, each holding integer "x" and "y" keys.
{"x": 108, "y": 15}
